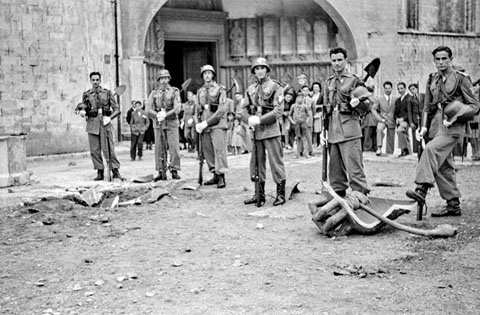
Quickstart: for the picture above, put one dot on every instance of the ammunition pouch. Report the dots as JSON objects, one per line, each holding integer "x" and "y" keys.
{"x": 213, "y": 107}
{"x": 91, "y": 113}
{"x": 107, "y": 112}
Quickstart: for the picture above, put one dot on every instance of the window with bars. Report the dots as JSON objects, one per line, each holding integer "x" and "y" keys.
{"x": 470, "y": 15}
{"x": 412, "y": 14}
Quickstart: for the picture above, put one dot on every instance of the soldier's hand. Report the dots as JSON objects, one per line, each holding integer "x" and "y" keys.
{"x": 446, "y": 123}
{"x": 354, "y": 102}
{"x": 106, "y": 120}
{"x": 201, "y": 126}
{"x": 324, "y": 138}
{"x": 253, "y": 121}
{"x": 420, "y": 133}
{"x": 82, "y": 113}
{"x": 161, "y": 116}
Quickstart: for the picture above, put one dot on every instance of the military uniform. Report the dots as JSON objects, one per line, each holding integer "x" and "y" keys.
{"x": 100, "y": 102}
{"x": 166, "y": 98}
{"x": 212, "y": 110}
{"x": 265, "y": 100}
{"x": 344, "y": 135}
{"x": 436, "y": 162}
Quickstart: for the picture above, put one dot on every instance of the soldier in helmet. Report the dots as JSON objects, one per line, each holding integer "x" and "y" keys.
{"x": 163, "y": 105}
{"x": 99, "y": 102}
{"x": 261, "y": 109}
{"x": 344, "y": 104}
{"x": 450, "y": 98}
{"x": 212, "y": 126}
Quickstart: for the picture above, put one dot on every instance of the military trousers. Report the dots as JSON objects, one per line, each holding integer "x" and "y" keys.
{"x": 95, "y": 144}
{"x": 436, "y": 166}
{"x": 171, "y": 143}
{"x": 215, "y": 150}
{"x": 273, "y": 148}
{"x": 345, "y": 167}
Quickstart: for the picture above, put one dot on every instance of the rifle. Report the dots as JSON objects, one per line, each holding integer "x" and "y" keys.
{"x": 325, "y": 144}
{"x": 257, "y": 175}
{"x": 200, "y": 158}
{"x": 163, "y": 150}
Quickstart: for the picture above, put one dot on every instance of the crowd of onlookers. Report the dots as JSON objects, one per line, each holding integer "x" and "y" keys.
{"x": 390, "y": 124}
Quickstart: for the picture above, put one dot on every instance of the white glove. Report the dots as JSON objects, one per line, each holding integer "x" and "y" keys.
{"x": 420, "y": 133}
{"x": 446, "y": 123}
{"x": 82, "y": 113}
{"x": 106, "y": 120}
{"x": 253, "y": 121}
{"x": 324, "y": 138}
{"x": 201, "y": 126}
{"x": 354, "y": 102}
{"x": 161, "y": 115}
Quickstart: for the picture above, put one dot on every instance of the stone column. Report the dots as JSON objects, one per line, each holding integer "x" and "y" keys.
{"x": 13, "y": 161}
{"x": 134, "y": 74}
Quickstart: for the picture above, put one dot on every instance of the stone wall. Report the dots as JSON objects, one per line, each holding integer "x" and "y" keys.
{"x": 47, "y": 50}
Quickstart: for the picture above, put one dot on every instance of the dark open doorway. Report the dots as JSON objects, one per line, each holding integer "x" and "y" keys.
{"x": 184, "y": 59}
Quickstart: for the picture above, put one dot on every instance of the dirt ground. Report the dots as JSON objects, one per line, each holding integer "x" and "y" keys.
{"x": 205, "y": 252}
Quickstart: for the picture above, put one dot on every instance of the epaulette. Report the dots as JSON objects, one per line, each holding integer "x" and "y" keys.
{"x": 466, "y": 75}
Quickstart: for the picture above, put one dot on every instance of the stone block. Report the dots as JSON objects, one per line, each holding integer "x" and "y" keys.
{"x": 13, "y": 161}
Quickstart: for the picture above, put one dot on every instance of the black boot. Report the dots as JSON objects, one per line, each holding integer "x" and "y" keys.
{"x": 116, "y": 174}
{"x": 99, "y": 175}
{"x": 160, "y": 176}
{"x": 254, "y": 198}
{"x": 451, "y": 209}
{"x": 280, "y": 199}
{"x": 221, "y": 181}
{"x": 213, "y": 180}
{"x": 175, "y": 174}
{"x": 419, "y": 194}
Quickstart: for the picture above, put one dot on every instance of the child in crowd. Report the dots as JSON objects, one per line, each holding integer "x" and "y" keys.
{"x": 237, "y": 136}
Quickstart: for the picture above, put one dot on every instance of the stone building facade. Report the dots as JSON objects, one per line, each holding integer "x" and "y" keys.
{"x": 49, "y": 47}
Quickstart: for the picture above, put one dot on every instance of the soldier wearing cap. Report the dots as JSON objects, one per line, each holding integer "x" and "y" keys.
{"x": 163, "y": 106}
{"x": 212, "y": 125}
{"x": 261, "y": 109}
{"x": 344, "y": 131}
{"x": 99, "y": 102}
{"x": 450, "y": 98}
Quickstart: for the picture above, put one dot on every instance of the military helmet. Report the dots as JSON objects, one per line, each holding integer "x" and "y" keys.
{"x": 260, "y": 62}
{"x": 207, "y": 68}
{"x": 457, "y": 111}
{"x": 361, "y": 93}
{"x": 163, "y": 73}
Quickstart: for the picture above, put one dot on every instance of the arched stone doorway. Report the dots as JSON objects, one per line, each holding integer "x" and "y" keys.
{"x": 294, "y": 35}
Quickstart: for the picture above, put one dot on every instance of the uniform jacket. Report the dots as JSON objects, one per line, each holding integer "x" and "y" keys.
{"x": 344, "y": 121}
{"x": 264, "y": 99}
{"x": 401, "y": 107}
{"x": 442, "y": 91}
{"x": 382, "y": 109}
{"x": 211, "y": 106}
{"x": 139, "y": 122}
{"x": 95, "y": 99}
{"x": 167, "y": 98}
